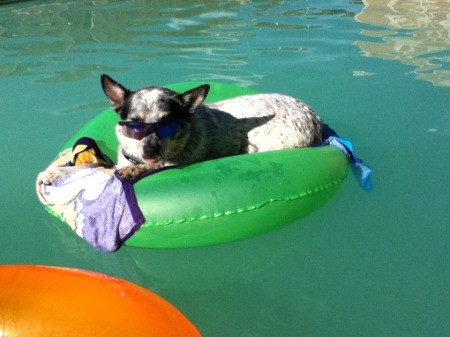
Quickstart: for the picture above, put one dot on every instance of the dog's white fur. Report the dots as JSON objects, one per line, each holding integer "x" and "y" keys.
{"x": 286, "y": 128}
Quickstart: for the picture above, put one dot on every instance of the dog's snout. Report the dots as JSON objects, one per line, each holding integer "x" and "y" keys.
{"x": 152, "y": 147}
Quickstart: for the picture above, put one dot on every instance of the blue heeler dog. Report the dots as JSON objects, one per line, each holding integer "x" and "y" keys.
{"x": 161, "y": 127}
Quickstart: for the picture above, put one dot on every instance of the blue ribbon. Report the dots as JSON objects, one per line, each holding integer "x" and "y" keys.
{"x": 361, "y": 171}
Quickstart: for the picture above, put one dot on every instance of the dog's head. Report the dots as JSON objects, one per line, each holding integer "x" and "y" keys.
{"x": 154, "y": 121}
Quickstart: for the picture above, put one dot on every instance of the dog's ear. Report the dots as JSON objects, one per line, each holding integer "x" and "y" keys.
{"x": 193, "y": 98}
{"x": 114, "y": 91}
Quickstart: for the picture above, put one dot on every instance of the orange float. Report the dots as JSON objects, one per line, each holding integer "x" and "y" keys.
{"x": 53, "y": 301}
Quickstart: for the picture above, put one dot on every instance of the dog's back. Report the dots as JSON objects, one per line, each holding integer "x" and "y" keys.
{"x": 274, "y": 121}
{"x": 246, "y": 124}
{"x": 216, "y": 133}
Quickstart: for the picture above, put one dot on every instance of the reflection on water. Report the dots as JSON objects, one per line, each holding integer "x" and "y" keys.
{"x": 418, "y": 34}
{"x": 58, "y": 42}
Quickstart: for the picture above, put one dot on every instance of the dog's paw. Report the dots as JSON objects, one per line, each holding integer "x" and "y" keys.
{"x": 131, "y": 173}
{"x": 135, "y": 172}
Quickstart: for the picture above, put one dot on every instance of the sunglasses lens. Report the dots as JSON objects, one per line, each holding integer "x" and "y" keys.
{"x": 134, "y": 130}
{"x": 139, "y": 131}
{"x": 167, "y": 131}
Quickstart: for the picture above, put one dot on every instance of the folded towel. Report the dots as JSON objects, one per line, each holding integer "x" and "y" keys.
{"x": 96, "y": 204}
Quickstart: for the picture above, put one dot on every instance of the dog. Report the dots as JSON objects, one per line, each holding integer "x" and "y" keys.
{"x": 160, "y": 127}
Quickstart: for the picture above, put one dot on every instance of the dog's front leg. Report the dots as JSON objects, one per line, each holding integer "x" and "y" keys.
{"x": 134, "y": 172}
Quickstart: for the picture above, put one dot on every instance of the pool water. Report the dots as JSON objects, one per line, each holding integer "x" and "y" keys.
{"x": 364, "y": 264}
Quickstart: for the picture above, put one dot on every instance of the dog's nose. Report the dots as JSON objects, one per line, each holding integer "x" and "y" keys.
{"x": 151, "y": 148}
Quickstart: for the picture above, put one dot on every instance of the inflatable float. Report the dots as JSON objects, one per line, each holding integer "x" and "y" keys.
{"x": 229, "y": 198}
{"x": 53, "y": 301}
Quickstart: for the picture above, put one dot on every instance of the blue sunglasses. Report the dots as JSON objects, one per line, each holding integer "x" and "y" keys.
{"x": 139, "y": 130}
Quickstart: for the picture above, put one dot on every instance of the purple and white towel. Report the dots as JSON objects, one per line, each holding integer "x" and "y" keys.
{"x": 99, "y": 207}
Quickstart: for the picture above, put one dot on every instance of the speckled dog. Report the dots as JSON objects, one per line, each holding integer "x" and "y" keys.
{"x": 161, "y": 127}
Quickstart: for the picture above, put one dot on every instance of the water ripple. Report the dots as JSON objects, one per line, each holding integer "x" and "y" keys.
{"x": 72, "y": 41}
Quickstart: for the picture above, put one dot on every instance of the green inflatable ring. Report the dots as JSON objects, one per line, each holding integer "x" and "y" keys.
{"x": 230, "y": 198}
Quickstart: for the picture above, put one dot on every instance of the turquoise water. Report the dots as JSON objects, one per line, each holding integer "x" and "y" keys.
{"x": 365, "y": 264}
